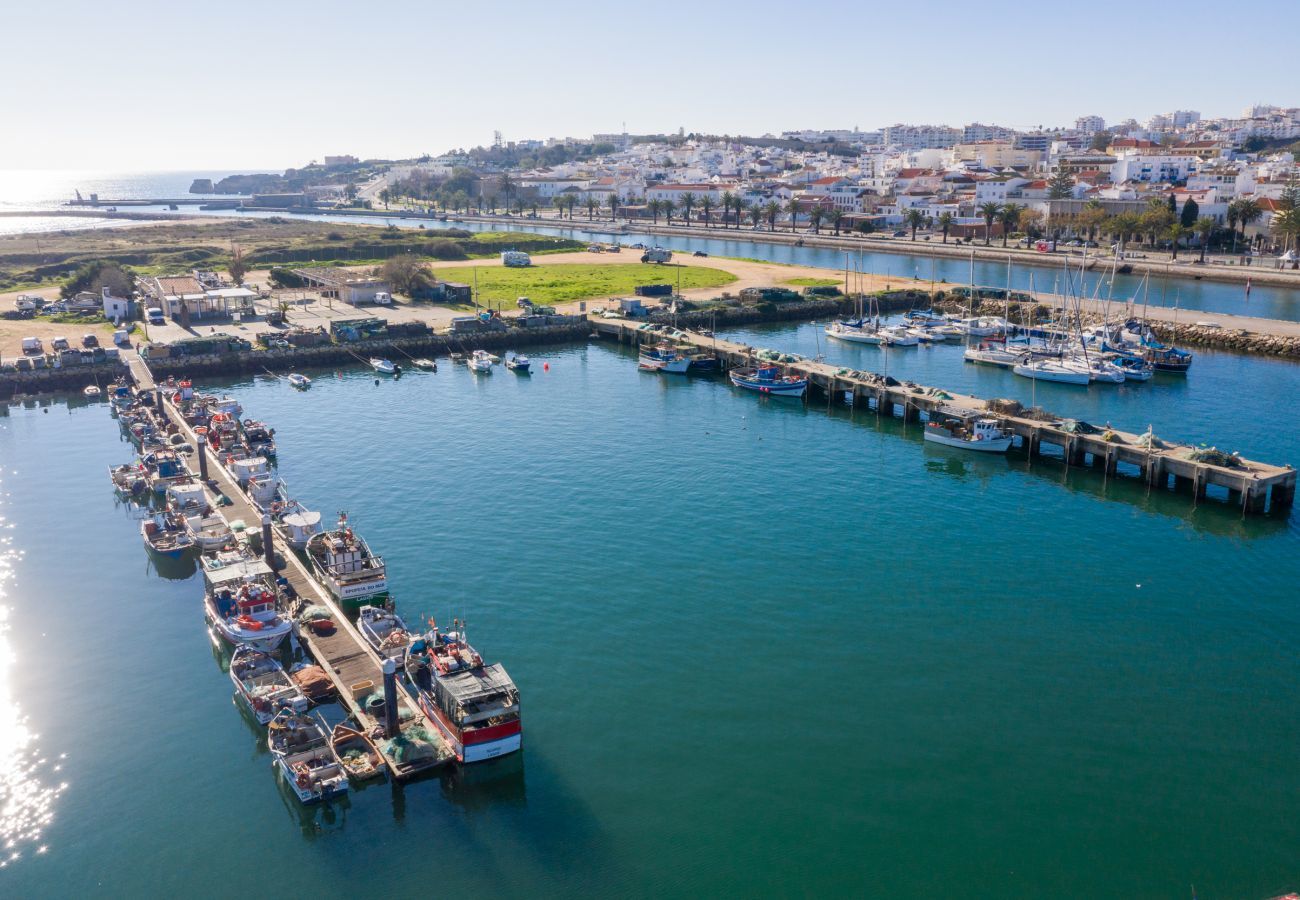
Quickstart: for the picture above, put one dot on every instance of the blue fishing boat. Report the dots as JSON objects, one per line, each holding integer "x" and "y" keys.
{"x": 769, "y": 380}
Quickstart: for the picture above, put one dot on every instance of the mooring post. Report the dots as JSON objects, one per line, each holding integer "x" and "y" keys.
{"x": 390, "y": 697}
{"x": 268, "y": 546}
{"x": 202, "y": 433}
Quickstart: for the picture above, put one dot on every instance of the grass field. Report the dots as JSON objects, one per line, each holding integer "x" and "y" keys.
{"x": 813, "y": 282}
{"x": 563, "y": 282}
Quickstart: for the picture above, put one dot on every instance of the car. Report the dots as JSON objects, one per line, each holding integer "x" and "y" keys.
{"x": 89, "y": 341}
{"x": 60, "y": 343}
{"x": 699, "y": 253}
{"x": 900, "y": 233}
{"x": 279, "y": 344}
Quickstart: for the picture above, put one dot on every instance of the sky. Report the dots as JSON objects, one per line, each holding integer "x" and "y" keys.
{"x": 150, "y": 85}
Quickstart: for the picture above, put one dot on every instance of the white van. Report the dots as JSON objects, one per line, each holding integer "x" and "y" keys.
{"x": 383, "y": 298}
{"x": 121, "y": 337}
{"x": 156, "y": 316}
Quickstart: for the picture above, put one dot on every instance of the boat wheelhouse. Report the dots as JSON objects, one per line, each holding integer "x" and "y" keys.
{"x": 305, "y": 758}
{"x": 967, "y": 430}
{"x": 345, "y": 565}
{"x": 263, "y": 685}
{"x": 663, "y": 357}
{"x": 241, "y": 605}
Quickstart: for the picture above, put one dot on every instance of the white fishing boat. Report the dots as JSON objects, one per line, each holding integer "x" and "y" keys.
{"x": 384, "y": 630}
{"x": 165, "y": 534}
{"x": 1043, "y": 369}
{"x": 210, "y": 532}
{"x": 859, "y": 331}
{"x": 304, "y": 756}
{"x": 345, "y": 565}
{"x": 300, "y": 381}
{"x": 356, "y": 752}
{"x": 296, "y": 524}
{"x": 263, "y": 685}
{"x": 383, "y": 366}
{"x": 240, "y": 604}
{"x": 92, "y": 392}
{"x": 663, "y": 357}
{"x": 475, "y": 706}
{"x": 1135, "y": 369}
{"x": 480, "y": 362}
{"x": 963, "y": 428}
{"x": 129, "y": 480}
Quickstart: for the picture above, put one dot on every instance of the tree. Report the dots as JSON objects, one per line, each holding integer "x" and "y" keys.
{"x": 1090, "y": 218}
{"x": 1124, "y": 226}
{"x": 815, "y": 216}
{"x": 1156, "y": 219}
{"x": 1191, "y": 212}
{"x": 1173, "y": 204}
{"x": 1232, "y": 215}
{"x": 688, "y": 203}
{"x": 612, "y": 200}
{"x": 95, "y": 276}
{"x": 771, "y": 210}
{"x": 1286, "y": 225}
{"x": 1100, "y": 141}
{"x": 237, "y": 268}
{"x": 507, "y": 187}
{"x": 559, "y": 201}
{"x": 668, "y": 207}
{"x": 755, "y": 213}
{"x": 1248, "y": 212}
{"x": 1204, "y": 228}
{"x": 946, "y": 220}
{"x": 591, "y": 203}
{"x": 385, "y": 196}
{"x": 728, "y": 201}
{"x": 836, "y": 217}
{"x": 654, "y": 207}
{"x": 914, "y": 219}
{"x": 407, "y": 275}
{"x": 1009, "y": 216}
{"x": 792, "y": 207}
{"x": 350, "y": 191}
{"x": 1175, "y": 232}
{"x": 1061, "y": 185}
{"x": 1031, "y": 222}
{"x": 1290, "y": 196}
{"x": 706, "y": 204}
{"x": 989, "y": 211}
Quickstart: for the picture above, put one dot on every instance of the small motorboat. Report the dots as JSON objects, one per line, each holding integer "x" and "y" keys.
{"x": 305, "y": 758}
{"x": 92, "y": 392}
{"x": 1135, "y": 369}
{"x": 384, "y": 630}
{"x": 960, "y": 429}
{"x": 263, "y": 685}
{"x": 356, "y": 753}
{"x": 769, "y": 380}
{"x": 480, "y": 362}
{"x": 129, "y": 480}
{"x": 165, "y": 534}
{"x": 663, "y": 357}
{"x": 426, "y": 364}
{"x": 240, "y": 604}
{"x": 383, "y": 366}
{"x": 519, "y": 363}
{"x": 300, "y": 381}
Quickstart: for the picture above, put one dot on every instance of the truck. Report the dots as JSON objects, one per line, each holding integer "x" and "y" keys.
{"x": 515, "y": 259}
{"x": 656, "y": 255}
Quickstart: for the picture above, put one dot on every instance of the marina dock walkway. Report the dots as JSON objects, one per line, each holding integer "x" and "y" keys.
{"x": 349, "y": 661}
{"x": 1257, "y": 487}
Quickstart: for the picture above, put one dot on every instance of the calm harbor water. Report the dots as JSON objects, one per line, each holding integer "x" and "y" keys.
{"x": 764, "y": 650}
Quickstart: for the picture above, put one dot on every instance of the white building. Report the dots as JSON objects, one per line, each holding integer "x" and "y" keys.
{"x": 1090, "y": 124}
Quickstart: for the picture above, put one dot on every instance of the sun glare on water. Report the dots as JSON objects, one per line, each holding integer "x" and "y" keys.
{"x": 29, "y": 782}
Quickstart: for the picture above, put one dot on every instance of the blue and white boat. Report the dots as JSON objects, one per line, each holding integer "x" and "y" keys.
{"x": 519, "y": 363}
{"x": 663, "y": 357}
{"x": 769, "y": 380}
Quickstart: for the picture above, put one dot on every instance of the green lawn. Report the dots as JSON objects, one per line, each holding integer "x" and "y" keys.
{"x": 813, "y": 282}
{"x": 561, "y": 283}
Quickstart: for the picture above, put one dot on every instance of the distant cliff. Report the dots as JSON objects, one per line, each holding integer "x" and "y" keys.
{"x": 241, "y": 184}
{"x": 201, "y": 186}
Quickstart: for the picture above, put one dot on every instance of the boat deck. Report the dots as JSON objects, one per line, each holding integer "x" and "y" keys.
{"x": 1258, "y": 487}
{"x": 347, "y": 659}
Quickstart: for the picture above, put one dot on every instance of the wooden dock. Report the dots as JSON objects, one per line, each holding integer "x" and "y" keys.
{"x": 1257, "y": 487}
{"x": 349, "y": 661}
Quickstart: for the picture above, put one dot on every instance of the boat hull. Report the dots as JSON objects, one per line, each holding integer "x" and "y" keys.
{"x": 997, "y": 445}
{"x": 1059, "y": 376}
{"x": 775, "y": 389}
{"x": 854, "y": 336}
{"x": 480, "y": 745}
{"x": 309, "y": 795}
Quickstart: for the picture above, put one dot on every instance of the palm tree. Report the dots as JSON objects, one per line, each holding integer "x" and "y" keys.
{"x": 815, "y": 216}
{"x": 655, "y": 207}
{"x": 591, "y": 203}
{"x": 989, "y": 211}
{"x": 688, "y": 203}
{"x": 384, "y": 196}
{"x": 1175, "y": 232}
{"x": 507, "y": 187}
{"x": 793, "y": 209}
{"x": 1205, "y": 227}
{"x": 1233, "y": 213}
{"x": 669, "y": 207}
{"x": 914, "y": 219}
{"x": 1286, "y": 224}
{"x": 728, "y": 200}
{"x": 1009, "y": 215}
{"x": 706, "y": 204}
{"x": 612, "y": 200}
{"x": 771, "y": 210}
{"x": 558, "y": 202}
{"x": 743, "y": 208}
{"x": 1248, "y": 212}
{"x": 836, "y": 216}
{"x": 945, "y": 223}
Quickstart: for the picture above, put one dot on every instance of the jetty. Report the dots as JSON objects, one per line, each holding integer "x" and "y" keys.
{"x": 1257, "y": 487}
{"x": 351, "y": 664}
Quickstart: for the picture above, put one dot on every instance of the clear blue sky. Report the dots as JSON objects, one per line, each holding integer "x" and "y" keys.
{"x": 167, "y": 85}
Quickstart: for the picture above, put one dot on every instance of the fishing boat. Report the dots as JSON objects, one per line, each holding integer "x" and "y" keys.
{"x": 383, "y": 366}
{"x": 163, "y": 467}
{"x": 260, "y": 438}
{"x": 129, "y": 479}
{"x": 165, "y": 534}
{"x": 701, "y": 360}
{"x": 480, "y": 362}
{"x": 210, "y": 532}
{"x": 964, "y": 429}
{"x": 263, "y": 685}
{"x": 384, "y": 630}
{"x": 240, "y": 604}
{"x": 768, "y": 380}
{"x": 1168, "y": 359}
{"x": 345, "y": 565}
{"x": 92, "y": 392}
{"x": 1044, "y": 369}
{"x": 356, "y": 752}
{"x": 663, "y": 357}
{"x": 300, "y": 381}
{"x": 423, "y": 363}
{"x": 519, "y": 363}
{"x": 303, "y": 755}
{"x": 475, "y": 706}
{"x": 856, "y": 331}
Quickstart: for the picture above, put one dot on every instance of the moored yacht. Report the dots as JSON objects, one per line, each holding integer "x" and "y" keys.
{"x": 855, "y": 331}
{"x": 1043, "y": 369}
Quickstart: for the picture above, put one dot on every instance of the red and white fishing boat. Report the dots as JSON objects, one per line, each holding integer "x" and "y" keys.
{"x": 475, "y": 706}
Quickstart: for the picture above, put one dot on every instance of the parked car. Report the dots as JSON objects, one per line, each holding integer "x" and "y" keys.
{"x": 900, "y": 233}
{"x": 33, "y": 345}
{"x": 60, "y": 343}
{"x": 699, "y": 253}
{"x": 89, "y": 341}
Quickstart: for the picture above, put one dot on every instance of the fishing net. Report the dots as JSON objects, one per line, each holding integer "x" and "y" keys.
{"x": 314, "y": 612}
{"x": 313, "y": 682}
{"x": 1215, "y": 457}
{"x": 412, "y": 745}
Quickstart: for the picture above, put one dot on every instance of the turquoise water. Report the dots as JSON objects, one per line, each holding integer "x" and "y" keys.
{"x": 764, "y": 650}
